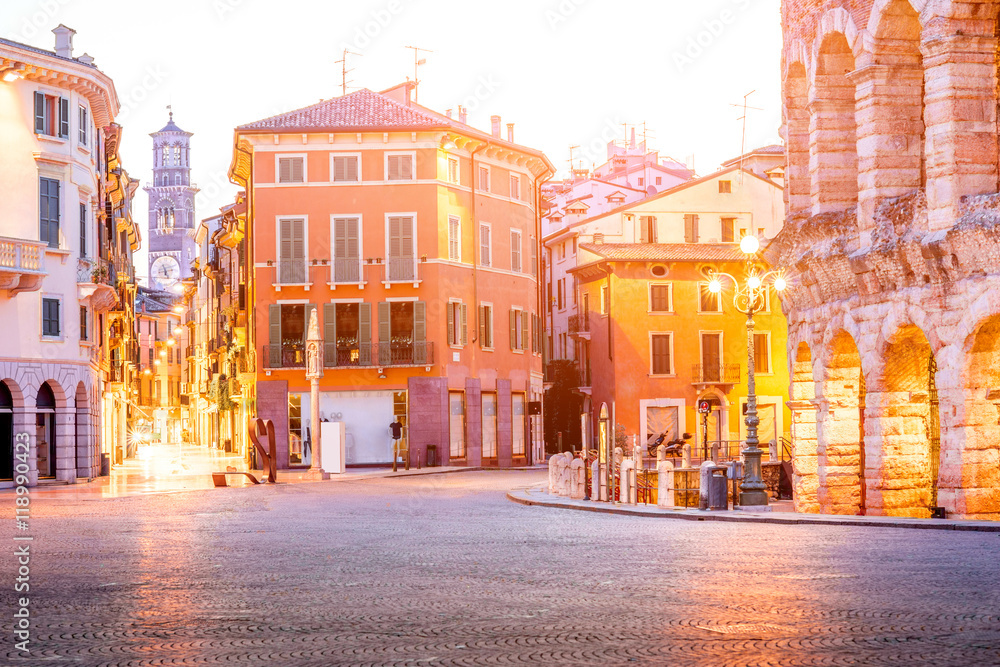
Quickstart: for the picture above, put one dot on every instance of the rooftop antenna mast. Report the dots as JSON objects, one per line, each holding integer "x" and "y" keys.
{"x": 417, "y": 62}
{"x": 743, "y": 142}
{"x": 572, "y": 162}
{"x": 344, "y": 71}
{"x": 646, "y": 135}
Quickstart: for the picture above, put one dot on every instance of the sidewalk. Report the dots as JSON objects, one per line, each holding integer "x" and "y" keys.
{"x": 536, "y": 496}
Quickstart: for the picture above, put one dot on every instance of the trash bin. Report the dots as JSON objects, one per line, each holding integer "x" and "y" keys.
{"x": 432, "y": 458}
{"x": 718, "y": 496}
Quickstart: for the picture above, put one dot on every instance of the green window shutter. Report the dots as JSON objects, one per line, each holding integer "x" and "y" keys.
{"x": 451, "y": 323}
{"x": 513, "y": 330}
{"x": 482, "y": 326}
{"x": 63, "y": 117}
{"x": 465, "y": 325}
{"x": 384, "y": 349}
{"x": 524, "y": 330}
{"x": 329, "y": 334}
{"x": 365, "y": 333}
{"x": 40, "y": 113}
{"x": 420, "y": 355}
{"x": 274, "y": 334}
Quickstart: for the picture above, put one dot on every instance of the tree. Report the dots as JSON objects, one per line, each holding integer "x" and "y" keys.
{"x": 562, "y": 407}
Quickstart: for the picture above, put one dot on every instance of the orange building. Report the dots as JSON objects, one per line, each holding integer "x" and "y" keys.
{"x": 415, "y": 238}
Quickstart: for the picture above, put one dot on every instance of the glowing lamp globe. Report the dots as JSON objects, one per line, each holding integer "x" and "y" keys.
{"x": 715, "y": 287}
{"x": 749, "y": 244}
{"x": 780, "y": 284}
{"x": 754, "y": 282}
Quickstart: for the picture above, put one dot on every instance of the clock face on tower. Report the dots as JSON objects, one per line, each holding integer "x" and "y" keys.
{"x": 165, "y": 271}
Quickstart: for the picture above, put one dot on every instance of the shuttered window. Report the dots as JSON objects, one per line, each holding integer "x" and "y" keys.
{"x": 486, "y": 326}
{"x": 83, "y": 230}
{"x": 401, "y": 249}
{"x": 458, "y": 332}
{"x": 84, "y": 324}
{"x": 84, "y": 130}
{"x": 659, "y": 298}
{"x": 728, "y": 226}
{"x": 292, "y": 251}
{"x": 484, "y": 179}
{"x": 534, "y": 256}
{"x": 690, "y": 228}
{"x": 345, "y": 168}
{"x": 50, "y": 317}
{"x": 484, "y": 245}
{"x": 48, "y": 211}
{"x": 346, "y": 250}
{"x": 662, "y": 364}
{"x": 711, "y": 357}
{"x": 291, "y": 170}
{"x": 515, "y": 187}
{"x": 761, "y": 353}
{"x": 709, "y": 301}
{"x": 454, "y": 238}
{"x": 515, "y": 251}
{"x": 647, "y": 229}
{"x": 519, "y": 329}
{"x": 453, "y": 174}
{"x": 400, "y": 167}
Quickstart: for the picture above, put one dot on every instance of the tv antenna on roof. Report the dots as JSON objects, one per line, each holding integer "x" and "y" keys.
{"x": 344, "y": 71}
{"x": 417, "y": 62}
{"x": 743, "y": 143}
{"x": 572, "y": 161}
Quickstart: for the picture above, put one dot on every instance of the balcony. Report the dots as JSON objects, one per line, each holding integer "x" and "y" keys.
{"x": 95, "y": 279}
{"x": 22, "y": 265}
{"x": 291, "y": 272}
{"x": 358, "y": 355}
{"x": 346, "y": 270}
{"x": 401, "y": 270}
{"x": 715, "y": 374}
{"x": 579, "y": 325}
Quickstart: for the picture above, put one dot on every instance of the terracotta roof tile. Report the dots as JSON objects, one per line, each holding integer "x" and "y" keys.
{"x": 362, "y": 109}
{"x": 667, "y": 252}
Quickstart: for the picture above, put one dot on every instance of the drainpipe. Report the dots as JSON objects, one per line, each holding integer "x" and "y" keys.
{"x": 539, "y": 298}
{"x": 475, "y": 240}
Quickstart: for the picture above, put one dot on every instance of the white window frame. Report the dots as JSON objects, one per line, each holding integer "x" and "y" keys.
{"x": 722, "y": 347}
{"x": 670, "y": 298}
{"x": 673, "y": 362}
{"x": 479, "y": 177}
{"x": 277, "y": 249}
{"x": 361, "y": 249}
{"x": 456, "y": 331}
{"x": 385, "y": 166}
{"x": 277, "y": 168}
{"x": 416, "y": 253}
{"x": 457, "y": 239}
{"x": 704, "y": 285}
{"x": 58, "y": 298}
{"x": 519, "y": 346}
{"x": 519, "y": 246}
{"x": 489, "y": 244}
{"x": 83, "y": 132}
{"x": 489, "y": 327}
{"x": 336, "y": 154}
{"x": 457, "y": 180}
{"x": 515, "y": 178}
{"x": 604, "y": 292}
{"x": 770, "y": 359}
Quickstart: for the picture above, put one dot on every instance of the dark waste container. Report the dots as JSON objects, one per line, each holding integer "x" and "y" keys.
{"x": 718, "y": 497}
{"x": 432, "y": 456}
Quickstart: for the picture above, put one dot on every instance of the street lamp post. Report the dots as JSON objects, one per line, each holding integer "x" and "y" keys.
{"x": 749, "y": 299}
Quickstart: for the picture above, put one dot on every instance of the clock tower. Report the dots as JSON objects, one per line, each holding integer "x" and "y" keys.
{"x": 171, "y": 207}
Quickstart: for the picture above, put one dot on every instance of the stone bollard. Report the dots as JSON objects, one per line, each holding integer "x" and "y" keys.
{"x": 705, "y": 481}
{"x": 661, "y": 455}
{"x": 553, "y": 463}
{"x": 577, "y": 479}
{"x": 772, "y": 450}
{"x": 686, "y": 456}
{"x": 627, "y": 492}
{"x": 565, "y": 473}
{"x": 597, "y": 490}
{"x": 664, "y": 483}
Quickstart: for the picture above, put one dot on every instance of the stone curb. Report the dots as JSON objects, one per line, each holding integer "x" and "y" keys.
{"x": 538, "y": 498}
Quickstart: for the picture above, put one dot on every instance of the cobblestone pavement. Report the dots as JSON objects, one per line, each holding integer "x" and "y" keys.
{"x": 442, "y": 569}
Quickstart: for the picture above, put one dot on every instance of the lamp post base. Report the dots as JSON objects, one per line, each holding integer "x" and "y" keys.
{"x": 752, "y": 508}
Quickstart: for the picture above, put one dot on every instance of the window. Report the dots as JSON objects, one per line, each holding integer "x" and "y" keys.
{"x": 177, "y": 179}
{"x": 517, "y": 425}
{"x": 84, "y": 333}
{"x": 50, "y": 317}
{"x": 605, "y": 299}
{"x": 164, "y": 158}
{"x": 298, "y": 420}
{"x": 711, "y": 357}
{"x": 345, "y": 168}
{"x": 519, "y": 329}
{"x": 659, "y": 180}
{"x": 84, "y": 135}
{"x": 489, "y": 425}
{"x": 346, "y": 250}
{"x": 728, "y": 227}
{"x": 725, "y": 187}
{"x": 48, "y": 211}
{"x": 453, "y": 175}
{"x": 51, "y": 115}
{"x": 661, "y": 362}
{"x": 292, "y": 251}
{"x": 454, "y": 238}
{"x": 484, "y": 179}
{"x": 484, "y": 244}
{"x": 760, "y": 233}
{"x": 347, "y": 332}
{"x": 177, "y": 156}
{"x": 291, "y": 170}
{"x": 641, "y": 181}
{"x": 83, "y": 230}
{"x": 150, "y": 350}
{"x": 402, "y": 257}
{"x": 709, "y": 301}
{"x": 661, "y": 298}
{"x": 456, "y": 412}
{"x": 762, "y": 352}
{"x": 458, "y": 327}
{"x": 486, "y": 326}
{"x": 515, "y": 187}
{"x": 402, "y": 333}
{"x": 560, "y": 293}
{"x": 515, "y": 251}
{"x": 647, "y": 229}
{"x": 690, "y": 228}
{"x": 534, "y": 256}
{"x": 399, "y": 167}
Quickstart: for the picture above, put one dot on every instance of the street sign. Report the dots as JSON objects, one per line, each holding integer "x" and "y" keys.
{"x": 704, "y": 408}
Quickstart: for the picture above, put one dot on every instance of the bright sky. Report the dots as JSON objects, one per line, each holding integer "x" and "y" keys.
{"x": 566, "y": 72}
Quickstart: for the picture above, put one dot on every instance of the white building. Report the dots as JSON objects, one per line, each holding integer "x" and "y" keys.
{"x": 66, "y": 275}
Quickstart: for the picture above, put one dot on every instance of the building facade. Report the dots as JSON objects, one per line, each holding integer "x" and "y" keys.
{"x": 414, "y": 237}
{"x": 66, "y": 273}
{"x": 890, "y": 119}
{"x": 160, "y": 417}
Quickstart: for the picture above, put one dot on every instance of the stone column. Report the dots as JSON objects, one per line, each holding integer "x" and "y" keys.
{"x": 961, "y": 119}
{"x": 805, "y": 479}
{"x": 890, "y": 136}
{"x": 833, "y": 159}
{"x": 796, "y": 134}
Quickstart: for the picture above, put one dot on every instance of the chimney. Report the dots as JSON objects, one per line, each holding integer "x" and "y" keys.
{"x": 510, "y": 132}
{"x": 64, "y": 40}
{"x": 632, "y": 143}
{"x": 448, "y": 113}
{"x": 495, "y": 123}
{"x": 463, "y": 115}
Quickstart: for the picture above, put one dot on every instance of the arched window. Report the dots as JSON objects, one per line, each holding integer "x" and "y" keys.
{"x": 177, "y": 155}
{"x": 45, "y": 431}
{"x": 6, "y": 433}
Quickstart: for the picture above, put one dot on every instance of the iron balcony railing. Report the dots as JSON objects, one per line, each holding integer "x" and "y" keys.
{"x": 358, "y": 355}
{"x": 346, "y": 270}
{"x": 401, "y": 269}
{"x": 718, "y": 373}
{"x": 291, "y": 272}
{"x": 579, "y": 323}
